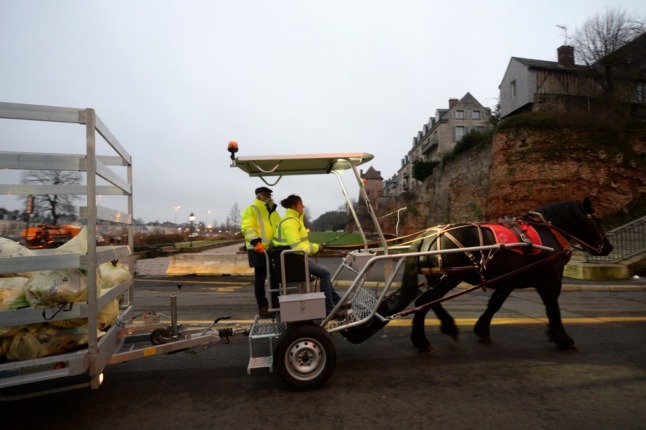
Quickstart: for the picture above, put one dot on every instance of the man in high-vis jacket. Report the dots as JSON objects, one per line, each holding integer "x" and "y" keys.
{"x": 258, "y": 222}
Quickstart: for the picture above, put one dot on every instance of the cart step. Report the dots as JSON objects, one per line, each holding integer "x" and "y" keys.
{"x": 263, "y": 328}
{"x": 260, "y": 363}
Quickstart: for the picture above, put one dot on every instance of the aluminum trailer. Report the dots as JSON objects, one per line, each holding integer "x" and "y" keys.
{"x": 107, "y": 176}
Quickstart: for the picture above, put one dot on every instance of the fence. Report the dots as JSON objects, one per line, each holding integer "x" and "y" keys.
{"x": 627, "y": 241}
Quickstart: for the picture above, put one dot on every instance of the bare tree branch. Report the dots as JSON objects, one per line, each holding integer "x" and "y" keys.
{"x": 56, "y": 205}
{"x": 605, "y": 33}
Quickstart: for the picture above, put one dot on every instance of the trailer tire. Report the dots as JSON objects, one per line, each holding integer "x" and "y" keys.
{"x": 305, "y": 356}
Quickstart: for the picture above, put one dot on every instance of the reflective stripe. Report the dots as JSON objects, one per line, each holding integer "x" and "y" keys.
{"x": 261, "y": 224}
{"x": 279, "y": 232}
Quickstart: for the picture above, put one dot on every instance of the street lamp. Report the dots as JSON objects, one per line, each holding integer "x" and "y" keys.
{"x": 191, "y": 218}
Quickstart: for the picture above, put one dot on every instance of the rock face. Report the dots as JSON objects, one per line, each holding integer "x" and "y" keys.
{"x": 522, "y": 170}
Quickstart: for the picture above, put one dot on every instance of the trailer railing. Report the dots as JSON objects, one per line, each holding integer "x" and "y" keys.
{"x": 101, "y": 179}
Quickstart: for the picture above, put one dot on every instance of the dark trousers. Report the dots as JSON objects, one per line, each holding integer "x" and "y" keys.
{"x": 257, "y": 261}
{"x": 259, "y": 264}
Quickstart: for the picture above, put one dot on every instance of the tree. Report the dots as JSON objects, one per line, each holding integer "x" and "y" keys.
{"x": 233, "y": 220}
{"x": 604, "y": 34}
{"x": 598, "y": 42}
{"x": 331, "y": 221}
{"x": 56, "y": 205}
{"x": 424, "y": 169}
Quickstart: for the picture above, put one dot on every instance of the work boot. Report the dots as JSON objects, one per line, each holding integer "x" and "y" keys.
{"x": 263, "y": 311}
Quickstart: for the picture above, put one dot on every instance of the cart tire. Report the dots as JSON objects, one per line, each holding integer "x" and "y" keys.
{"x": 305, "y": 356}
{"x": 159, "y": 336}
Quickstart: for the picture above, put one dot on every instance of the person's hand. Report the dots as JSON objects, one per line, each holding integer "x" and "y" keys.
{"x": 321, "y": 247}
{"x": 259, "y": 248}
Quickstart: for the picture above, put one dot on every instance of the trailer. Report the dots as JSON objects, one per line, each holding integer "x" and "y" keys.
{"x": 107, "y": 170}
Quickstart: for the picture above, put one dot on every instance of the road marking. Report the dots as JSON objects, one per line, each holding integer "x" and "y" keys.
{"x": 192, "y": 282}
{"x": 405, "y": 322}
{"x": 223, "y": 289}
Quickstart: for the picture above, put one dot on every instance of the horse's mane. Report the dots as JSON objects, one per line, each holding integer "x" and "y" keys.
{"x": 567, "y": 209}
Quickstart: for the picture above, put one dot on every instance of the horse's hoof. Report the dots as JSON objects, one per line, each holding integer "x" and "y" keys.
{"x": 422, "y": 345}
{"x": 482, "y": 331}
{"x": 425, "y": 350}
{"x": 567, "y": 347}
{"x": 485, "y": 339}
{"x": 453, "y": 332}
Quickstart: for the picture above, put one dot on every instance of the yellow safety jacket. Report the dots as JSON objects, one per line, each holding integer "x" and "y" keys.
{"x": 291, "y": 232}
{"x": 258, "y": 223}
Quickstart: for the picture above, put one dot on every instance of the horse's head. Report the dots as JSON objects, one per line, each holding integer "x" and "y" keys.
{"x": 577, "y": 220}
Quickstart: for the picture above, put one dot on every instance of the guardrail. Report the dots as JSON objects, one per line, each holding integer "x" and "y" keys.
{"x": 627, "y": 241}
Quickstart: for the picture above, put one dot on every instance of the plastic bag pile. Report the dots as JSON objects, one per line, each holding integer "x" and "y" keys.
{"x": 55, "y": 289}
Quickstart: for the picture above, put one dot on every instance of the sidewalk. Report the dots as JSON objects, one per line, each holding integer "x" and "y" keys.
{"x": 158, "y": 266}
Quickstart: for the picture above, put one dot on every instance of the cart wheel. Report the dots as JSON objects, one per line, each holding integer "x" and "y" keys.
{"x": 305, "y": 356}
{"x": 159, "y": 336}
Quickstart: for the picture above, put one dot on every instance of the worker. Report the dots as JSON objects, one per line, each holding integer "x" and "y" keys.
{"x": 291, "y": 232}
{"x": 258, "y": 223}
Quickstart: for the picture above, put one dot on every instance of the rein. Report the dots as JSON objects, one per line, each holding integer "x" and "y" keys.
{"x": 395, "y": 239}
{"x": 482, "y": 285}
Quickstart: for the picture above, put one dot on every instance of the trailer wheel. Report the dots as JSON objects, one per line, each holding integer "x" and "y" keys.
{"x": 160, "y": 336}
{"x": 305, "y": 356}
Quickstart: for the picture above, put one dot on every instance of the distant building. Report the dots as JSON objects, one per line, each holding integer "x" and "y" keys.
{"x": 438, "y": 137}
{"x": 562, "y": 86}
{"x": 373, "y": 183}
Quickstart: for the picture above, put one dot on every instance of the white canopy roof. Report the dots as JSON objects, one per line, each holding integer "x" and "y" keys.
{"x": 306, "y": 164}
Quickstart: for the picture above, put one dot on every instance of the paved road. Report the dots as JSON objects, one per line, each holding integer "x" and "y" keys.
{"x": 519, "y": 381}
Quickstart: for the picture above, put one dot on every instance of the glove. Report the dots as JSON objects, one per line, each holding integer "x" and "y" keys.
{"x": 259, "y": 248}
{"x": 321, "y": 248}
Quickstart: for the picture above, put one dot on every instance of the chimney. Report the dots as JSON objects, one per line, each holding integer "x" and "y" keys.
{"x": 565, "y": 56}
{"x": 452, "y": 103}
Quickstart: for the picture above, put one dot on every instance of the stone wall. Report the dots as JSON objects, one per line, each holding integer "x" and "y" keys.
{"x": 522, "y": 170}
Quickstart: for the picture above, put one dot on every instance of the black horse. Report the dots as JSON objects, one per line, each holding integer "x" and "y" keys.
{"x": 502, "y": 269}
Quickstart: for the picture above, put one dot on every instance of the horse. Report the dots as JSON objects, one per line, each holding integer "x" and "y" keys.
{"x": 503, "y": 269}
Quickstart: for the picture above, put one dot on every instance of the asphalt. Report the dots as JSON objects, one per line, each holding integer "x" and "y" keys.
{"x": 158, "y": 266}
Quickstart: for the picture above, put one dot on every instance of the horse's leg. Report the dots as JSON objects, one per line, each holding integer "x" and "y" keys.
{"x": 498, "y": 297}
{"x": 437, "y": 289}
{"x": 447, "y": 323}
{"x": 549, "y": 293}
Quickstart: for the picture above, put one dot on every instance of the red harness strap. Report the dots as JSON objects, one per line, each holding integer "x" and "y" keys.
{"x": 504, "y": 235}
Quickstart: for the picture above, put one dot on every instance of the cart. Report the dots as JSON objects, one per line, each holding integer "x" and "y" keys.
{"x": 300, "y": 346}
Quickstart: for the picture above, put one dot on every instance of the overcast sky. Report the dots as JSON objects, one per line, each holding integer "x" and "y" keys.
{"x": 175, "y": 81}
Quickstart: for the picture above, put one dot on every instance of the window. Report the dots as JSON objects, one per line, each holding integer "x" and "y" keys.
{"x": 458, "y": 133}
{"x": 475, "y": 114}
{"x": 459, "y": 114}
{"x": 512, "y": 89}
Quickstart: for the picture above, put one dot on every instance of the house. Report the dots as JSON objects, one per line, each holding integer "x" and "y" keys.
{"x": 563, "y": 86}
{"x": 438, "y": 137}
{"x": 373, "y": 183}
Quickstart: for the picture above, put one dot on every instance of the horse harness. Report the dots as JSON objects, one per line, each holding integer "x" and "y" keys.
{"x": 480, "y": 264}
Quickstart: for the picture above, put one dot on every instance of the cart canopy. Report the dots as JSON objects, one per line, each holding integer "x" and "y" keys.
{"x": 306, "y": 164}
